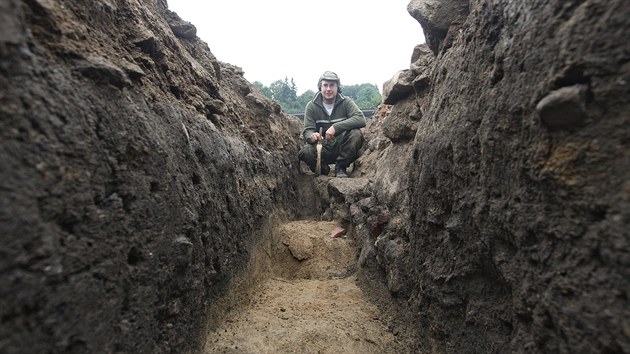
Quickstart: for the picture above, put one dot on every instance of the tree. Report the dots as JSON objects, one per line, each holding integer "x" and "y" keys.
{"x": 366, "y": 96}
{"x": 302, "y": 100}
{"x": 285, "y": 92}
{"x": 265, "y": 90}
{"x": 282, "y": 91}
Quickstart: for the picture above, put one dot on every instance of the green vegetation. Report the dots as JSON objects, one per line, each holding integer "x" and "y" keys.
{"x": 366, "y": 96}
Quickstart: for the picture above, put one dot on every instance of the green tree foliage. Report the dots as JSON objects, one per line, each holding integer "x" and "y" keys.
{"x": 366, "y": 96}
{"x": 302, "y": 100}
{"x": 265, "y": 90}
{"x": 283, "y": 91}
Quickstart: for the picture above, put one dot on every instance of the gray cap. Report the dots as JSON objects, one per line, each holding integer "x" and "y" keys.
{"x": 329, "y": 75}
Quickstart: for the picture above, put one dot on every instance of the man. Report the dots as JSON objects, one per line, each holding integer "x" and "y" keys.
{"x": 341, "y": 121}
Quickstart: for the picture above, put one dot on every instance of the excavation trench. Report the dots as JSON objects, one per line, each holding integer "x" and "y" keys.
{"x": 300, "y": 295}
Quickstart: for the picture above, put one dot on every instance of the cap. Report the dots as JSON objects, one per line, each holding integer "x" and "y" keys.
{"x": 329, "y": 75}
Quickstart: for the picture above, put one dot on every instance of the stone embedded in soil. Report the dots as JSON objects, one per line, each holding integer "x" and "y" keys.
{"x": 338, "y": 232}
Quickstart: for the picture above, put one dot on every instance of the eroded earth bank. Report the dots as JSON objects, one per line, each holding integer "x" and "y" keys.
{"x": 148, "y": 190}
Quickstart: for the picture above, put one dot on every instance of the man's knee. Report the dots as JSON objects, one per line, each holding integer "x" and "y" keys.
{"x": 355, "y": 138}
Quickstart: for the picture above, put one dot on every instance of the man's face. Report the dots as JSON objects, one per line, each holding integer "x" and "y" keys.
{"x": 329, "y": 89}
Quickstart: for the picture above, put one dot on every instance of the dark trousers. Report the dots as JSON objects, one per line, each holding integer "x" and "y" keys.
{"x": 342, "y": 150}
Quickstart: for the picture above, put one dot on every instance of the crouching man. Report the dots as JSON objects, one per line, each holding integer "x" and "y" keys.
{"x": 341, "y": 122}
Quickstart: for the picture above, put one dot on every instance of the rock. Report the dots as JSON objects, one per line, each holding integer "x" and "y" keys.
{"x": 180, "y": 28}
{"x": 133, "y": 70}
{"x": 564, "y": 108}
{"x": 182, "y": 252}
{"x": 421, "y": 57}
{"x": 394, "y": 255}
{"x": 215, "y": 106}
{"x": 348, "y": 189}
{"x": 368, "y": 252}
{"x": 148, "y": 43}
{"x": 379, "y": 216}
{"x": 102, "y": 71}
{"x": 379, "y": 144}
{"x": 436, "y": 17}
{"x": 398, "y": 87}
{"x": 401, "y": 125}
{"x": 11, "y": 28}
{"x": 300, "y": 248}
{"x": 421, "y": 66}
{"x": 338, "y": 232}
{"x": 185, "y": 30}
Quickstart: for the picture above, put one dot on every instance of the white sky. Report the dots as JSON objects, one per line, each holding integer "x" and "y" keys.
{"x": 363, "y": 41}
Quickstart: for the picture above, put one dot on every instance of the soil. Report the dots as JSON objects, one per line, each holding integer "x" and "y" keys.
{"x": 309, "y": 303}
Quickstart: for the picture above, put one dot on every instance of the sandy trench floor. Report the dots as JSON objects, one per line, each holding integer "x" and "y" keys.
{"x": 310, "y": 304}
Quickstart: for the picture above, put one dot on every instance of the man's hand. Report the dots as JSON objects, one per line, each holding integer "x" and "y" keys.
{"x": 315, "y": 137}
{"x": 330, "y": 133}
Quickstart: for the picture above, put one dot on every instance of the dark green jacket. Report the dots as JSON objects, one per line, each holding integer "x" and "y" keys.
{"x": 345, "y": 116}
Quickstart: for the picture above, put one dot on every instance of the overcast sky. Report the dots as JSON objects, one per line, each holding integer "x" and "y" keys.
{"x": 363, "y": 41}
